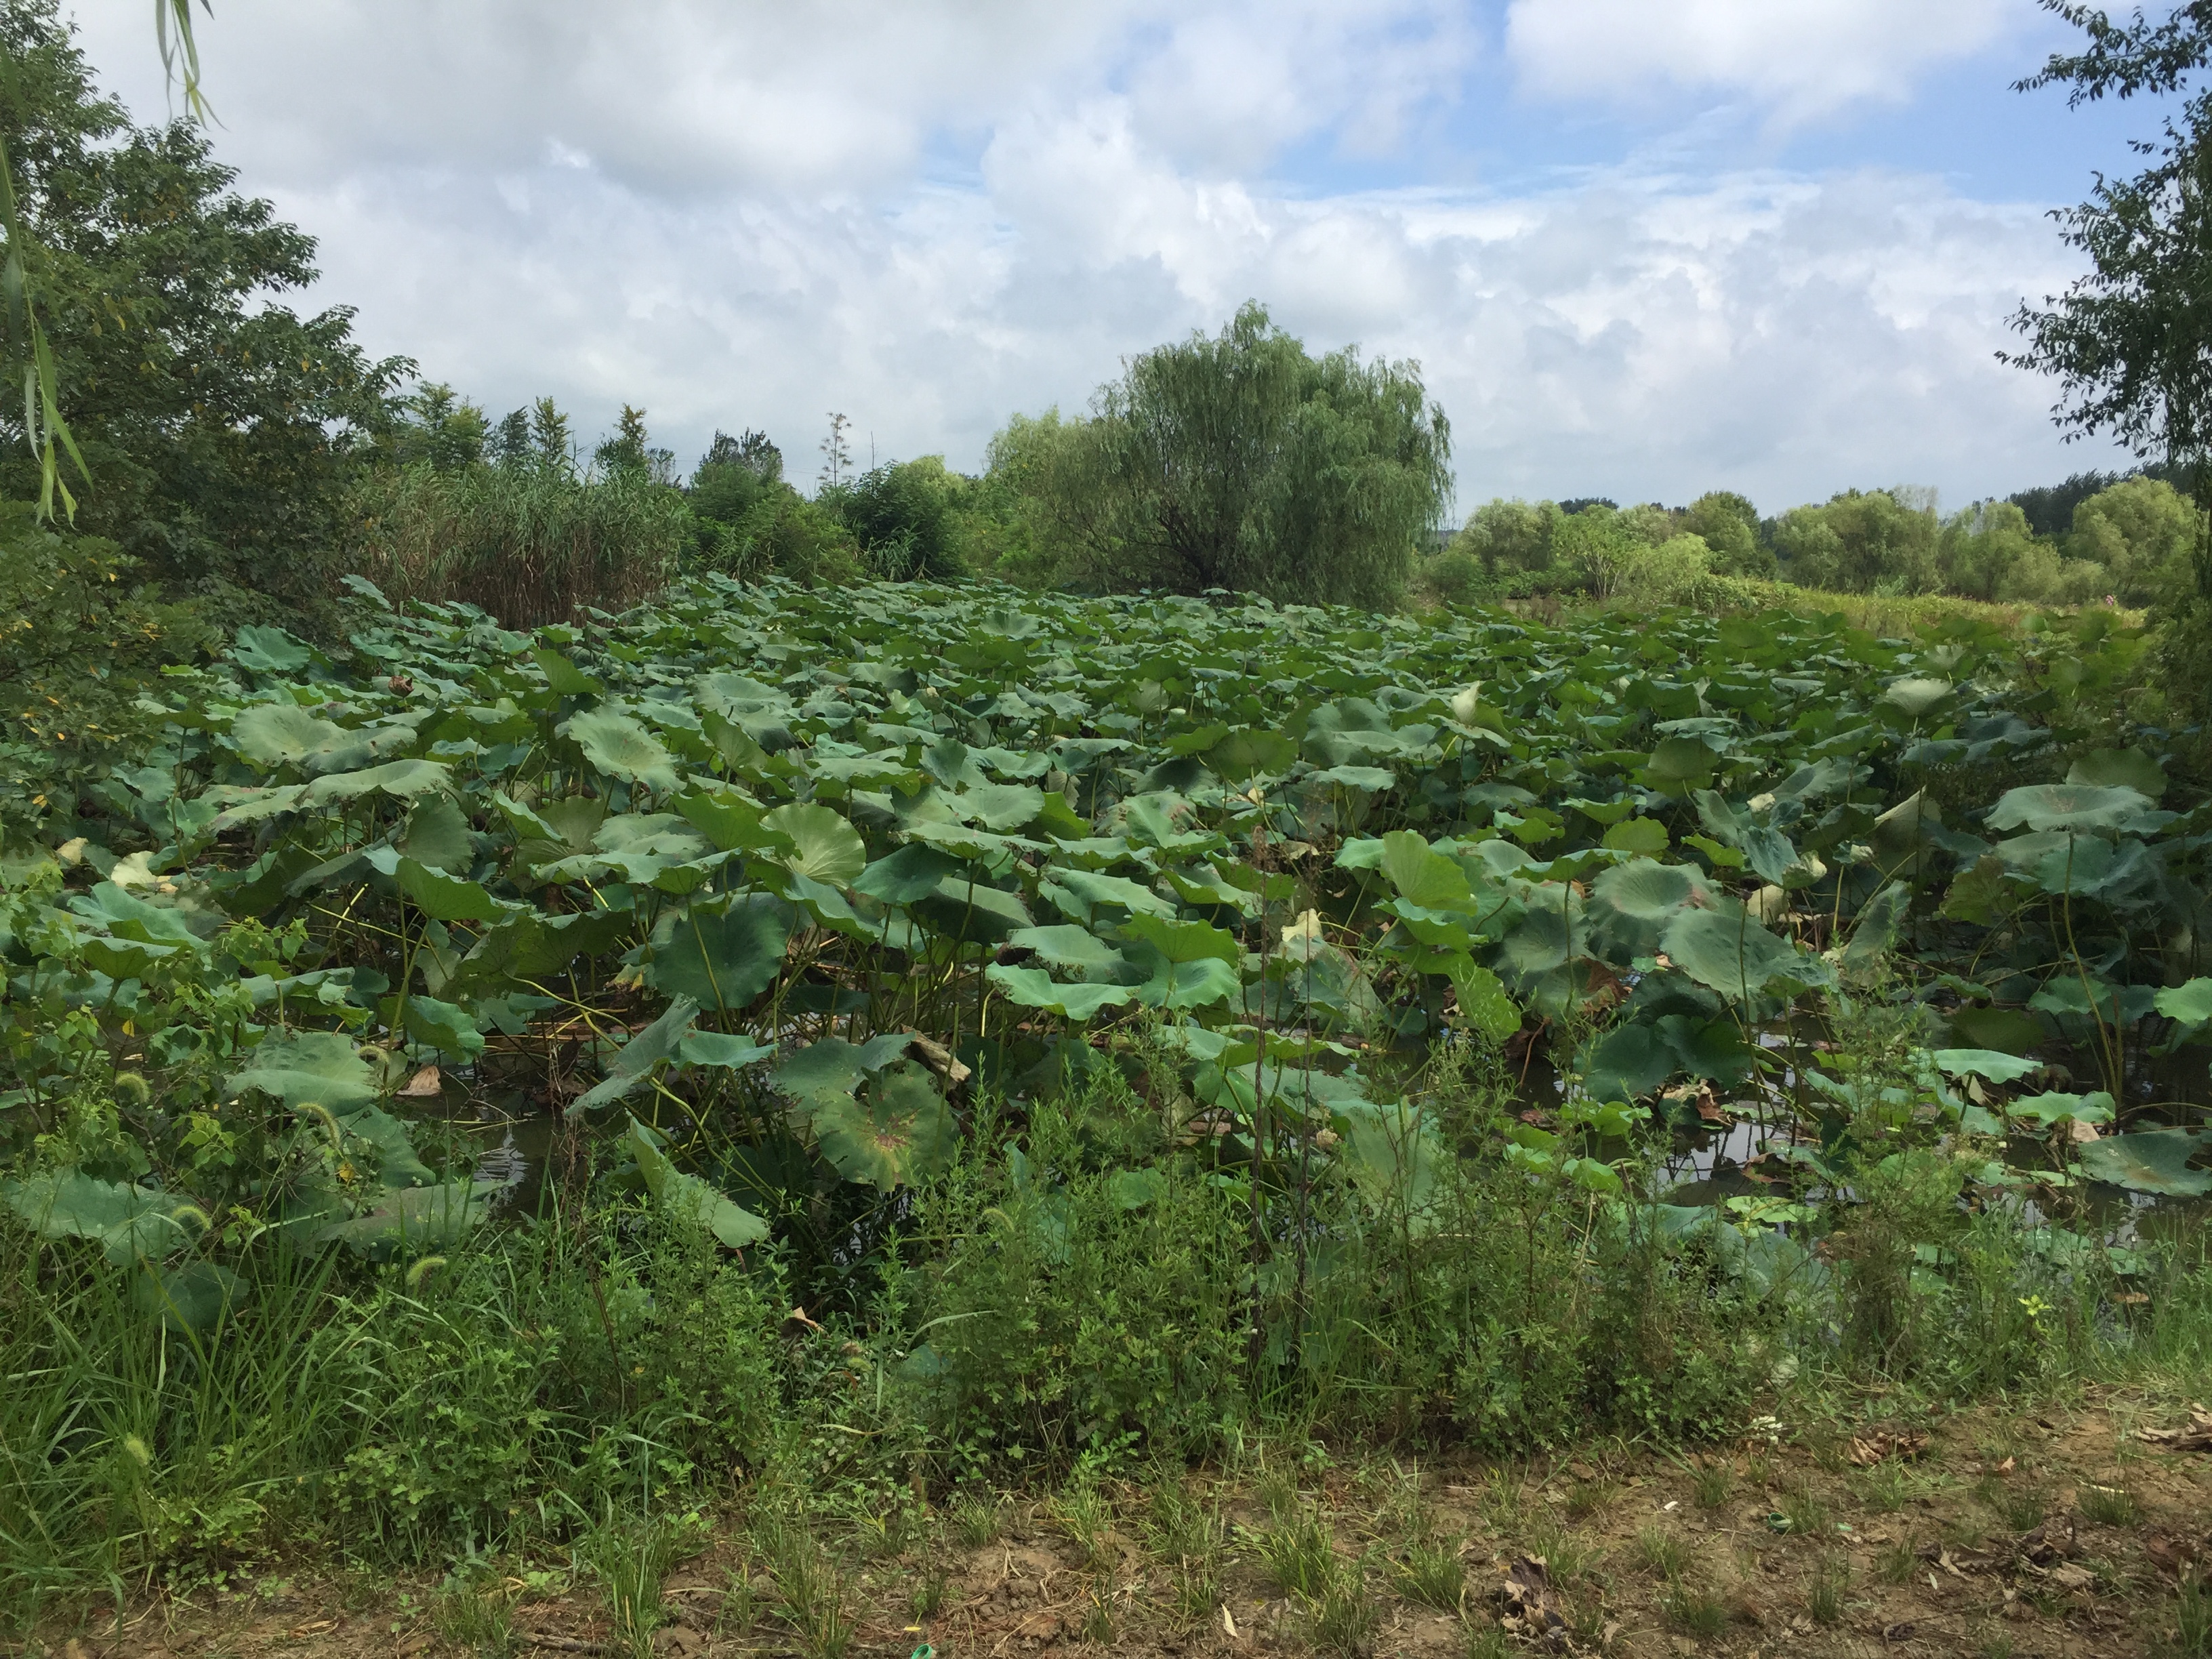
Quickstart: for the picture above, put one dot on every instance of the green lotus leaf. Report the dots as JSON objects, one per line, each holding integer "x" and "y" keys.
{"x": 303, "y": 1067}
{"x": 1483, "y": 1002}
{"x": 444, "y": 898}
{"x": 1032, "y": 987}
{"x": 902, "y": 1132}
{"x": 824, "y": 847}
{"x": 636, "y": 1058}
{"x": 914, "y": 872}
{"x": 2074, "y": 806}
{"x": 1185, "y": 941}
{"x": 436, "y": 834}
{"x": 1916, "y": 694}
{"x": 720, "y": 955}
{"x": 1637, "y": 836}
{"x": 1631, "y": 903}
{"x": 2050, "y": 1109}
{"x": 271, "y": 651}
{"x": 445, "y": 1026}
{"x": 412, "y": 1218}
{"x": 972, "y": 912}
{"x": 618, "y": 747}
{"x": 721, "y": 1051}
{"x": 404, "y": 779}
{"x": 1248, "y": 751}
{"x": 1197, "y": 984}
{"x": 1423, "y": 875}
{"x": 1000, "y": 806}
{"x": 1733, "y": 954}
{"x": 690, "y": 1199}
{"x": 127, "y": 1222}
{"x": 2128, "y": 769}
{"x": 1678, "y": 763}
{"x": 1985, "y": 1063}
{"x": 2189, "y": 1005}
{"x": 2149, "y": 1161}
{"x": 564, "y": 677}
{"x": 1072, "y": 950}
{"x": 193, "y": 1297}
{"x": 275, "y": 734}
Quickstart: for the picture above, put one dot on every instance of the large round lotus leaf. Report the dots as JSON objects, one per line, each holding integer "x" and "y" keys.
{"x": 901, "y": 1133}
{"x": 824, "y": 846}
{"x": 128, "y": 1222}
{"x": 2128, "y": 769}
{"x": 1072, "y": 950}
{"x": 283, "y": 734}
{"x": 618, "y": 747}
{"x": 1632, "y": 901}
{"x": 302, "y": 1066}
{"x": 1424, "y": 875}
{"x": 437, "y": 833}
{"x": 1732, "y": 954}
{"x": 721, "y": 959}
{"x": 1197, "y": 984}
{"x": 2187, "y": 1005}
{"x": 908, "y": 874}
{"x": 1549, "y": 933}
{"x": 651, "y": 835}
{"x": 2076, "y": 806}
{"x": 970, "y": 911}
{"x": 691, "y": 1199}
{"x": 2149, "y": 1161}
{"x": 404, "y": 779}
{"x": 1681, "y": 760}
{"x": 1247, "y": 751}
{"x": 1185, "y": 941}
{"x": 1000, "y": 806}
{"x": 1915, "y": 695}
{"x": 1032, "y": 987}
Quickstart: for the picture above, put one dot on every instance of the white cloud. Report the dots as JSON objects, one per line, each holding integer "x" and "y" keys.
{"x": 1799, "y": 59}
{"x": 750, "y": 217}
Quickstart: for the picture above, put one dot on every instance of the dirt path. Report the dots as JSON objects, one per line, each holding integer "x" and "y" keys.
{"x": 2028, "y": 1536}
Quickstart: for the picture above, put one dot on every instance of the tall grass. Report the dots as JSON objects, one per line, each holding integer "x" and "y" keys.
{"x": 528, "y": 543}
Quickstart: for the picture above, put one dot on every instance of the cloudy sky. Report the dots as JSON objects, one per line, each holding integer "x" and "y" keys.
{"x": 1641, "y": 248}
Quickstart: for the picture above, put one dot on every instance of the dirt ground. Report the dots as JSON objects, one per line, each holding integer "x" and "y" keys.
{"x": 2033, "y": 1536}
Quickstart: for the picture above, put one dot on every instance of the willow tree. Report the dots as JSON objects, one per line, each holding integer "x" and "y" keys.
{"x": 1238, "y": 461}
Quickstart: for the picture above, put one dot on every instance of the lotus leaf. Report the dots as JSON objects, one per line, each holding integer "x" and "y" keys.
{"x": 2071, "y": 806}
{"x": 2149, "y": 1161}
{"x": 309, "y": 1067}
{"x": 636, "y": 1058}
{"x": 689, "y": 1197}
{"x": 1734, "y": 955}
{"x": 618, "y": 747}
{"x": 1031, "y": 988}
{"x": 901, "y": 1133}
{"x": 824, "y": 847}
{"x": 126, "y": 1222}
{"x": 720, "y": 954}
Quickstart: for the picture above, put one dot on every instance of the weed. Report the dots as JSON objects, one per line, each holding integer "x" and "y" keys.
{"x": 1431, "y": 1573}
{"x": 2192, "y": 1621}
{"x": 929, "y": 1592}
{"x": 975, "y": 1518}
{"x": 1485, "y": 1641}
{"x": 1883, "y": 1488}
{"x": 1098, "y": 1612}
{"x": 1832, "y": 1578}
{"x": 1501, "y": 1501}
{"x": 1697, "y": 1613}
{"x": 1713, "y": 1483}
{"x": 1588, "y": 1498}
{"x": 1994, "y": 1643}
{"x": 1893, "y": 1562}
{"x": 1299, "y": 1553}
{"x": 476, "y": 1611}
{"x": 2020, "y": 1507}
{"x": 1083, "y": 1513}
{"x": 1344, "y": 1615}
{"x": 1806, "y": 1511}
{"x": 740, "y": 1601}
{"x": 809, "y": 1592}
{"x": 2105, "y": 1506}
{"x": 1661, "y": 1552}
{"x": 630, "y": 1558}
{"x": 1189, "y": 1535}
{"x": 1758, "y": 1470}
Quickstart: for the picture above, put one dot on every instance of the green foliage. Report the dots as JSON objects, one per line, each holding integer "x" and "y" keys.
{"x": 1240, "y": 462}
{"x": 1861, "y": 542}
{"x": 82, "y": 640}
{"x": 529, "y": 544}
{"x": 220, "y": 429}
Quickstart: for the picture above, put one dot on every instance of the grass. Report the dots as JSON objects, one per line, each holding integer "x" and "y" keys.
{"x": 1805, "y": 1510}
{"x": 1086, "y": 1516}
{"x": 1431, "y": 1572}
{"x": 475, "y": 1610}
{"x": 1824, "y": 1598}
{"x": 975, "y": 1517}
{"x": 1712, "y": 1482}
{"x": 1661, "y": 1552}
{"x": 1695, "y": 1611}
{"x": 2105, "y": 1506}
{"x": 1299, "y": 1553}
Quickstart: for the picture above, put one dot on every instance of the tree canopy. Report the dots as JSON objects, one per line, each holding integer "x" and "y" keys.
{"x": 1239, "y": 461}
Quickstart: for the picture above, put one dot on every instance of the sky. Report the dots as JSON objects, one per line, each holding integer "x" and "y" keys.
{"x": 1639, "y": 248}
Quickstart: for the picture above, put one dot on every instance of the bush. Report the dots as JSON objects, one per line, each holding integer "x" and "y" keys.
{"x": 80, "y": 641}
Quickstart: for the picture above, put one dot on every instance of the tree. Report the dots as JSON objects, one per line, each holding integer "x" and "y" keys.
{"x": 2141, "y": 531}
{"x": 1240, "y": 462}
{"x": 222, "y": 428}
{"x": 1728, "y": 524}
{"x": 1862, "y": 541}
{"x": 836, "y": 458}
{"x": 904, "y": 520}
